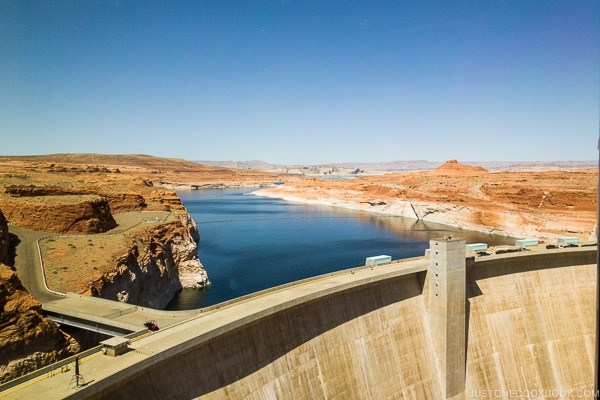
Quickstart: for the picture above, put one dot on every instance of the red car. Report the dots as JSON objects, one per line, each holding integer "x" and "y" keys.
{"x": 151, "y": 325}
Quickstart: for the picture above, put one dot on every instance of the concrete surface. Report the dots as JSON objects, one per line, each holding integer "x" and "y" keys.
{"x": 364, "y": 334}
{"x": 446, "y": 310}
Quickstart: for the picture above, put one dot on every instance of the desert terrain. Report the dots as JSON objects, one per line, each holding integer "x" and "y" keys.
{"x": 522, "y": 204}
{"x": 100, "y": 197}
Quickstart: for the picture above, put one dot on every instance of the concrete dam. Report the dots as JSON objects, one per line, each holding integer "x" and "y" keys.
{"x": 518, "y": 325}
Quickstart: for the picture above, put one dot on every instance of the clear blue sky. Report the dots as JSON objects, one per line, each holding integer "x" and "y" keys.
{"x": 302, "y": 81}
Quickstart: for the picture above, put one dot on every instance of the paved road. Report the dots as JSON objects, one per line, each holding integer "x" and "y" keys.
{"x": 27, "y": 258}
{"x": 27, "y": 263}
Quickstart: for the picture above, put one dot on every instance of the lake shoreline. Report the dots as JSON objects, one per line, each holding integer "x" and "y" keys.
{"x": 250, "y": 243}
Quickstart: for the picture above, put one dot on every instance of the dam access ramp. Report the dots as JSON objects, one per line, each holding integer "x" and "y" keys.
{"x": 108, "y": 317}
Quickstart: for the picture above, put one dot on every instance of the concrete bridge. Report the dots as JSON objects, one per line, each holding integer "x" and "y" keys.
{"x": 89, "y": 313}
{"x": 529, "y": 328}
{"x": 106, "y": 316}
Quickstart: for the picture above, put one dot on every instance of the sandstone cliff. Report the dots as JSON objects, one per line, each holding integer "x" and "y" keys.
{"x": 83, "y": 208}
{"x": 28, "y": 340}
{"x": 61, "y": 214}
{"x": 161, "y": 259}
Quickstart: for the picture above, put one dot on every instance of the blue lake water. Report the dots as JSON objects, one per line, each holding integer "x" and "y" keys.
{"x": 249, "y": 243}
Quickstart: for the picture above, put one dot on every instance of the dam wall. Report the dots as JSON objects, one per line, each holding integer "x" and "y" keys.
{"x": 529, "y": 325}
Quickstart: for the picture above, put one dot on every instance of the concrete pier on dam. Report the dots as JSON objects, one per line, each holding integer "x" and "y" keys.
{"x": 526, "y": 325}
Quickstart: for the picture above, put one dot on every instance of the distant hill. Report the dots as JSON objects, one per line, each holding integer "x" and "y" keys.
{"x": 368, "y": 168}
{"x": 453, "y": 167}
{"x": 534, "y": 165}
{"x": 254, "y": 165}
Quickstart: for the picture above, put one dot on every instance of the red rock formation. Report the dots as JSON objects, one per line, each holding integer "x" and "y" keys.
{"x": 161, "y": 260}
{"x": 61, "y": 214}
{"x": 519, "y": 204}
{"x": 28, "y": 340}
{"x": 453, "y": 167}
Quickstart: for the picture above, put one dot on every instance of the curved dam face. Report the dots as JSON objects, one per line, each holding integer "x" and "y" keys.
{"x": 529, "y": 325}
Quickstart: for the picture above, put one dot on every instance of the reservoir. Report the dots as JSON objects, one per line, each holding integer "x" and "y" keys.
{"x": 250, "y": 243}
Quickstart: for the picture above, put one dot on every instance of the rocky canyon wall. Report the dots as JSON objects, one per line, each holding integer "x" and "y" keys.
{"x": 161, "y": 259}
{"x": 143, "y": 263}
{"x": 83, "y": 213}
{"x": 28, "y": 340}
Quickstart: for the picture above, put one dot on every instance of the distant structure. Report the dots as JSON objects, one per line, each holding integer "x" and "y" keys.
{"x": 447, "y": 303}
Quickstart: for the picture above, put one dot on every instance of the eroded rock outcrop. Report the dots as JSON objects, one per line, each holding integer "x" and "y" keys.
{"x": 453, "y": 167}
{"x": 28, "y": 339}
{"x": 61, "y": 213}
{"x": 161, "y": 260}
{"x": 124, "y": 202}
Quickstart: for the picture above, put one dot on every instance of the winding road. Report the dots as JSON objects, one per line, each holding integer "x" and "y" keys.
{"x": 27, "y": 255}
{"x": 27, "y": 263}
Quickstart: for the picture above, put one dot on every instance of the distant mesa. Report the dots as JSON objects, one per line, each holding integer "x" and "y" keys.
{"x": 453, "y": 167}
